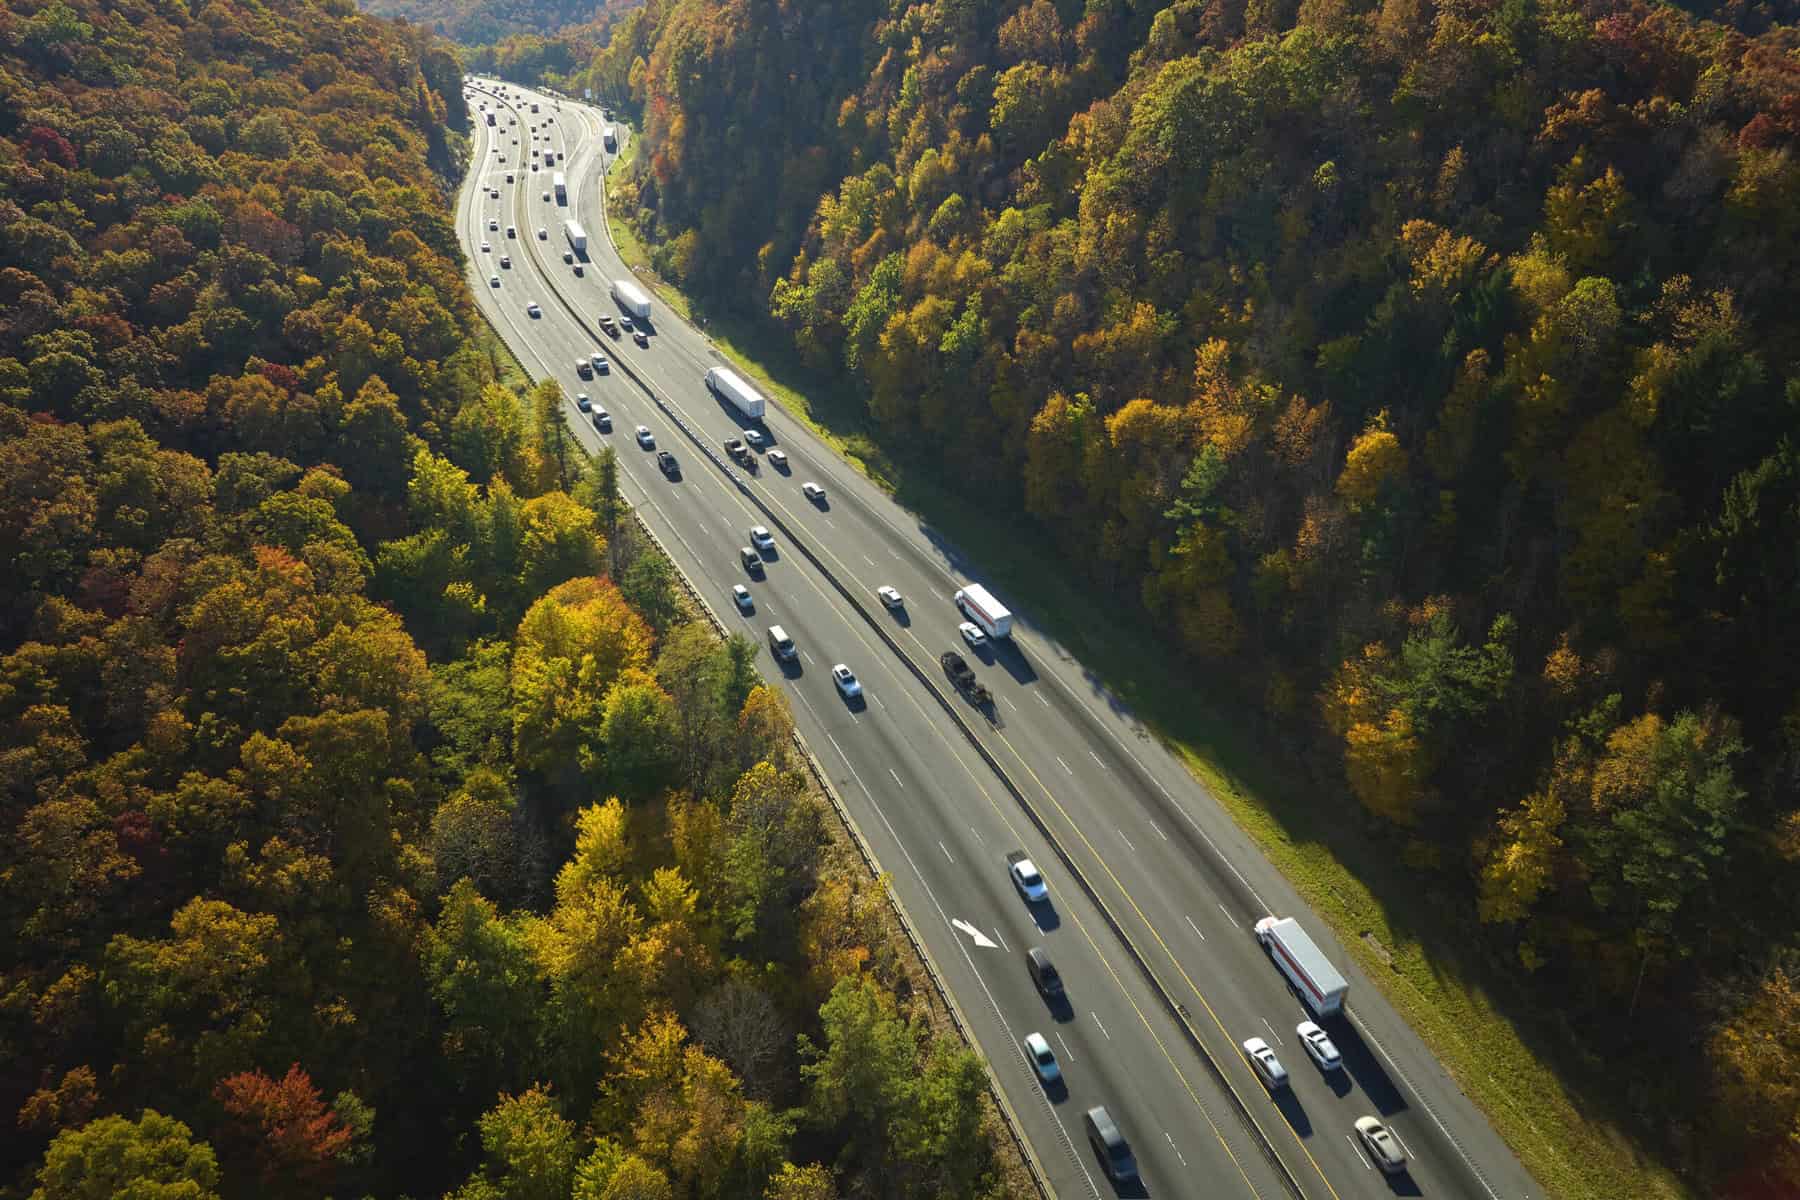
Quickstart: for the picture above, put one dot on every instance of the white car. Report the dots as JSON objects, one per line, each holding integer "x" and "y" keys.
{"x": 598, "y": 361}
{"x": 971, "y": 633}
{"x": 754, "y": 439}
{"x": 532, "y": 310}
{"x": 645, "y": 438}
{"x": 741, "y": 595}
{"x": 1319, "y": 1047}
{"x": 890, "y": 596}
{"x": 1381, "y": 1144}
{"x": 1268, "y": 1068}
{"x": 1029, "y": 880}
{"x": 1043, "y": 1059}
{"x": 812, "y": 491}
{"x": 493, "y": 225}
{"x": 486, "y": 249}
{"x": 583, "y": 403}
{"x": 493, "y": 281}
{"x": 778, "y": 459}
{"x": 846, "y": 681}
{"x": 761, "y": 538}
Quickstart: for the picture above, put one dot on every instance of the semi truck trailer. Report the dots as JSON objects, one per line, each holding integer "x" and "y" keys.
{"x": 632, "y": 298}
{"x": 1305, "y": 965}
{"x": 979, "y": 605}
{"x": 728, "y": 386}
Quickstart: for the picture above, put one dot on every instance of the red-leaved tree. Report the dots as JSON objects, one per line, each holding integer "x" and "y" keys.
{"x": 280, "y": 1133}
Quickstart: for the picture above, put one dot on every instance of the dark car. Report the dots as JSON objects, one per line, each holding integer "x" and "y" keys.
{"x": 666, "y": 462}
{"x": 1043, "y": 973}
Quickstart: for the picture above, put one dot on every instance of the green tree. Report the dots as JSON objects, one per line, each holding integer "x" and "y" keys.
{"x": 865, "y": 1071}
{"x": 152, "y": 1158}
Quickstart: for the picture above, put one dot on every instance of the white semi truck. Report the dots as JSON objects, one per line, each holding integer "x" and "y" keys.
{"x": 728, "y": 386}
{"x": 1305, "y": 965}
{"x": 632, "y": 298}
{"x": 979, "y": 605}
{"x": 562, "y": 188}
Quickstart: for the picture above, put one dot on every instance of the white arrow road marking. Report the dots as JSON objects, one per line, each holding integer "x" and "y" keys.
{"x": 979, "y": 938}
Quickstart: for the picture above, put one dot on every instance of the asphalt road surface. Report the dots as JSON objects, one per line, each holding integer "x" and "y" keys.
{"x": 1165, "y": 980}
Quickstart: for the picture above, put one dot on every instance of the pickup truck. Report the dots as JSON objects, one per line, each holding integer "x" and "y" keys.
{"x": 963, "y": 678}
{"x": 740, "y": 453}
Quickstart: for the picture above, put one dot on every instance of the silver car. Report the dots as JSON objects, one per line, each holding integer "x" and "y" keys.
{"x": 1381, "y": 1144}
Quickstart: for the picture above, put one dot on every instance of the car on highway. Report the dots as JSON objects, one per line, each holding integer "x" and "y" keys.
{"x": 493, "y": 225}
{"x": 1381, "y": 1144}
{"x": 971, "y": 633}
{"x": 1318, "y": 1046}
{"x": 509, "y": 177}
{"x": 625, "y": 322}
{"x": 598, "y": 361}
{"x": 578, "y": 271}
{"x": 493, "y": 281}
{"x": 740, "y": 595}
{"x": 486, "y": 248}
{"x": 1109, "y": 1144}
{"x": 752, "y": 561}
{"x": 543, "y": 234}
{"x": 813, "y": 492}
{"x": 568, "y": 256}
{"x": 1043, "y": 1059}
{"x": 754, "y": 439}
{"x": 1268, "y": 1068}
{"x": 493, "y": 194}
{"x": 645, "y": 438}
{"x": 602, "y": 420}
{"x": 847, "y": 684}
{"x": 640, "y": 337}
{"x": 778, "y": 460}
{"x": 583, "y": 403}
{"x": 890, "y": 596}
{"x": 1043, "y": 973}
{"x": 761, "y": 538}
{"x": 665, "y": 462}
{"x": 740, "y": 453}
{"x": 609, "y": 325}
{"x": 512, "y": 232}
{"x": 545, "y": 197}
{"x": 1027, "y": 878}
{"x": 506, "y": 262}
{"x": 584, "y": 369}
{"x": 533, "y": 311}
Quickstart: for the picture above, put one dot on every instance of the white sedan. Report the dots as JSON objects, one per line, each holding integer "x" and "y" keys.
{"x": 1029, "y": 880}
{"x": 1043, "y": 1059}
{"x": 740, "y": 595}
{"x": 813, "y": 492}
{"x": 1319, "y": 1046}
{"x": 971, "y": 633}
{"x": 778, "y": 459}
{"x": 532, "y": 310}
{"x": 761, "y": 538}
{"x": 890, "y": 596}
{"x": 645, "y": 438}
{"x": 847, "y": 685}
{"x": 754, "y": 439}
{"x": 486, "y": 249}
{"x": 1268, "y": 1068}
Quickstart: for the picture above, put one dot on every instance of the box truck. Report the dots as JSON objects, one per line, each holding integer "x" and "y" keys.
{"x": 978, "y": 604}
{"x": 632, "y": 298}
{"x": 577, "y": 236}
{"x": 729, "y": 387}
{"x": 1303, "y": 963}
{"x": 561, "y": 186}
{"x": 611, "y": 139}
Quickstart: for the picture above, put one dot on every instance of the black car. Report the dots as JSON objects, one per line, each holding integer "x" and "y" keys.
{"x": 668, "y": 465}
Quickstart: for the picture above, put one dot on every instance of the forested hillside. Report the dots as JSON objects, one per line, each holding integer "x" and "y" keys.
{"x": 473, "y": 22}
{"x": 373, "y": 818}
{"x": 1423, "y": 374}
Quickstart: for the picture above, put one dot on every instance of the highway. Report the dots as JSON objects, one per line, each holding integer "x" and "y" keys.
{"x": 1155, "y": 1037}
